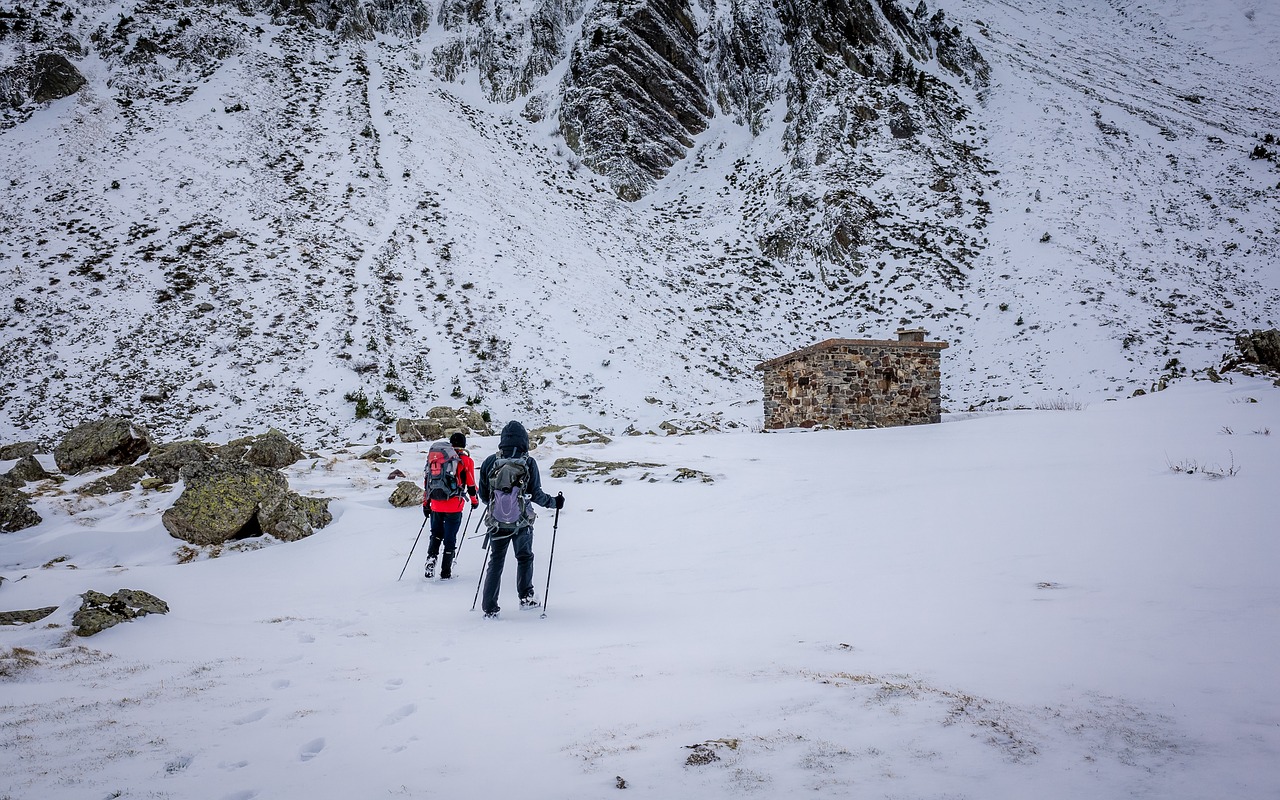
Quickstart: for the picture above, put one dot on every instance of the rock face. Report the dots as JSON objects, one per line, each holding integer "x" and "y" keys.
{"x": 406, "y": 493}
{"x": 16, "y": 512}
{"x": 636, "y": 93}
{"x": 99, "y": 611}
{"x": 18, "y": 450}
{"x": 109, "y": 442}
{"x": 1260, "y": 347}
{"x": 226, "y": 500}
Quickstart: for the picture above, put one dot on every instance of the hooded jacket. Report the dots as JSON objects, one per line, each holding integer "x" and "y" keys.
{"x": 513, "y": 442}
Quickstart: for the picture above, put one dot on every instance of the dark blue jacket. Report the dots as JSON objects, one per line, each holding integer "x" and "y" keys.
{"x": 513, "y": 442}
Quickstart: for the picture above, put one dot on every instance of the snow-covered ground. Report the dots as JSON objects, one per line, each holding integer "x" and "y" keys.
{"x": 1039, "y": 603}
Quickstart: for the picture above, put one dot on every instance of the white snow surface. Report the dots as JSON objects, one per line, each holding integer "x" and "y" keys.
{"x": 1049, "y": 603}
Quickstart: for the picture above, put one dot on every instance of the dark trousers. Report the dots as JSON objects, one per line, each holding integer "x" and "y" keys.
{"x": 444, "y": 528}
{"x": 522, "y": 542}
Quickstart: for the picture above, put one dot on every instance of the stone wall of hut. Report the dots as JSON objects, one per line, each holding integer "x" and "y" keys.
{"x": 869, "y": 384}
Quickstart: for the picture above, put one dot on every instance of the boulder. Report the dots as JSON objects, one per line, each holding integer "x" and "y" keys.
{"x": 293, "y": 517}
{"x": 16, "y": 512}
{"x": 167, "y": 460}
{"x": 272, "y": 449}
{"x": 54, "y": 77}
{"x": 122, "y": 480}
{"x": 99, "y": 611}
{"x": 29, "y": 470}
{"x": 114, "y": 441}
{"x": 442, "y": 421}
{"x": 221, "y": 500}
{"x": 567, "y": 435}
{"x": 18, "y": 450}
{"x": 406, "y": 493}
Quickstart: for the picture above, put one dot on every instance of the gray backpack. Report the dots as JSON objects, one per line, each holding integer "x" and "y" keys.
{"x": 509, "y": 506}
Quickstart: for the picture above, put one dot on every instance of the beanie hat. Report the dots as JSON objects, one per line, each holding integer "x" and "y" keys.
{"x": 458, "y": 439}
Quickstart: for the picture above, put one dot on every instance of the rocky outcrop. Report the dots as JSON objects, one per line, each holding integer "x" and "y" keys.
{"x": 1260, "y": 347}
{"x": 108, "y": 442}
{"x": 16, "y": 512}
{"x": 406, "y": 494}
{"x": 272, "y": 449}
{"x": 99, "y": 611}
{"x": 636, "y": 93}
{"x": 26, "y": 615}
{"x": 440, "y": 422}
{"x": 167, "y": 460}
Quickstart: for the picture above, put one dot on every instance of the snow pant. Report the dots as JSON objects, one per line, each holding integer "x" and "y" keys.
{"x": 498, "y": 543}
{"x": 444, "y": 529}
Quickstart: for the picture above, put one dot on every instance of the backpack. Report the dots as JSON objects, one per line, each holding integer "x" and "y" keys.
{"x": 509, "y": 507}
{"x": 442, "y": 472}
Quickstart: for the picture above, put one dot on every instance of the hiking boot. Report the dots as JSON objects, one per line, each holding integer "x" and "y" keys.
{"x": 491, "y": 615}
{"x": 446, "y": 566}
{"x": 529, "y": 601}
{"x": 430, "y": 571}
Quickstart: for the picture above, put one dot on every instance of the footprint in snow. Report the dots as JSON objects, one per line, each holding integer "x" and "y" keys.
{"x": 248, "y": 794}
{"x": 230, "y": 765}
{"x": 312, "y": 749}
{"x": 399, "y": 714}
{"x": 306, "y": 638}
{"x": 252, "y": 716}
{"x": 395, "y": 683}
{"x": 282, "y": 683}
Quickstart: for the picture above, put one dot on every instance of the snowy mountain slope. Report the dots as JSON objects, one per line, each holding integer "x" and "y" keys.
{"x": 1019, "y": 604}
{"x": 252, "y": 219}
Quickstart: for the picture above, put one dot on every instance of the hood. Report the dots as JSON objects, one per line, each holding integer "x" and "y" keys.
{"x": 513, "y": 436}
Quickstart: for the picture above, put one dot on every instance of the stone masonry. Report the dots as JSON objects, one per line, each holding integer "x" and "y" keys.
{"x": 855, "y": 383}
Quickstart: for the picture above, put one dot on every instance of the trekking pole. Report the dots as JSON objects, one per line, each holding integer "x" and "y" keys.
{"x": 457, "y": 551}
{"x": 415, "y": 544}
{"x": 483, "y": 567}
{"x": 551, "y": 560}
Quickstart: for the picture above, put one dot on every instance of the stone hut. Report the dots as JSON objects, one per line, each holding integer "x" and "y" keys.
{"x": 855, "y": 383}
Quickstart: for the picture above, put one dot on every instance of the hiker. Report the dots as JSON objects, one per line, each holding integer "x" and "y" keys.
{"x": 445, "y": 512}
{"x": 509, "y": 481}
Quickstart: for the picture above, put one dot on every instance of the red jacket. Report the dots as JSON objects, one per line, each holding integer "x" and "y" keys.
{"x": 466, "y": 480}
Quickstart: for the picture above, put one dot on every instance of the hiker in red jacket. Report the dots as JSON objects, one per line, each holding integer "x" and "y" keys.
{"x": 446, "y": 514}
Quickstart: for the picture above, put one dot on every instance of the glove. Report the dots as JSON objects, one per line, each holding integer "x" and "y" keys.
{"x": 426, "y": 510}
{"x": 475, "y": 501}
{"x": 559, "y": 504}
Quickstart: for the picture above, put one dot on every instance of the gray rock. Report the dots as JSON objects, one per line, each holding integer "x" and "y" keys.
{"x": 114, "y": 441}
{"x": 27, "y": 470}
{"x": 1260, "y": 347}
{"x": 54, "y": 77}
{"x": 293, "y": 517}
{"x": 272, "y": 449}
{"x": 167, "y": 460}
{"x": 220, "y": 501}
{"x": 122, "y": 480}
{"x": 25, "y": 616}
{"x": 16, "y": 512}
{"x": 419, "y": 430}
{"x": 18, "y": 450}
{"x": 406, "y": 493}
{"x": 99, "y": 611}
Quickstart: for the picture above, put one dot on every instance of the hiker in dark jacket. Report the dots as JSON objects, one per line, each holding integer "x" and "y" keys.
{"x": 512, "y": 444}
